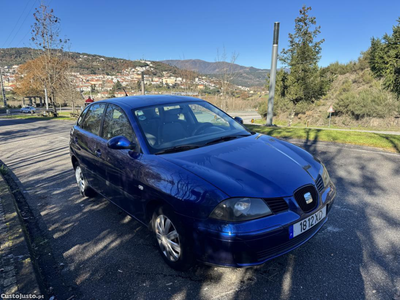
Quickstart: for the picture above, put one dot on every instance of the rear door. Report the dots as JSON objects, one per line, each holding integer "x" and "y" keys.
{"x": 122, "y": 165}
{"x": 90, "y": 142}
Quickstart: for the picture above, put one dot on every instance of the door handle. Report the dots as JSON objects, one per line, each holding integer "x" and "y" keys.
{"x": 97, "y": 153}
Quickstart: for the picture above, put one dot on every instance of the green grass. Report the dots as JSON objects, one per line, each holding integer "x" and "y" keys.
{"x": 61, "y": 116}
{"x": 299, "y": 125}
{"x": 382, "y": 141}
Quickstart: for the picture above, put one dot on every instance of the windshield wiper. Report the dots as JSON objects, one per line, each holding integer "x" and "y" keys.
{"x": 177, "y": 149}
{"x": 225, "y": 139}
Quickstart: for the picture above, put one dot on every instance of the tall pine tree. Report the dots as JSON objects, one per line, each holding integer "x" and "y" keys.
{"x": 305, "y": 82}
{"x": 385, "y": 59}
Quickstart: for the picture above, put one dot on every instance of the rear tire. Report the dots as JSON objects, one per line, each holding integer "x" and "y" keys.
{"x": 172, "y": 241}
{"x": 83, "y": 185}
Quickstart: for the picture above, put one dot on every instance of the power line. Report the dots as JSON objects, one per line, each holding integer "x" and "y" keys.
{"x": 29, "y": 31}
{"x": 23, "y": 38}
{"x": 22, "y": 22}
{"x": 26, "y": 5}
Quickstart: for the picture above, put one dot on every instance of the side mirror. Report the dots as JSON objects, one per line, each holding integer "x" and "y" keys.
{"x": 239, "y": 120}
{"x": 120, "y": 142}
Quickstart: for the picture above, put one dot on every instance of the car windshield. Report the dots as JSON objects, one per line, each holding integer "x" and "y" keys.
{"x": 183, "y": 126}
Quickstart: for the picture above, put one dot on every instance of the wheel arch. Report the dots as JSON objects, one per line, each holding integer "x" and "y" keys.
{"x": 151, "y": 206}
{"x": 74, "y": 161}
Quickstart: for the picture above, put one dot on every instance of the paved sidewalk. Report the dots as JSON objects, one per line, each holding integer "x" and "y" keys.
{"x": 17, "y": 275}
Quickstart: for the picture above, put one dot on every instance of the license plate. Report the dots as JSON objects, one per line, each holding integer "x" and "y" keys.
{"x": 306, "y": 224}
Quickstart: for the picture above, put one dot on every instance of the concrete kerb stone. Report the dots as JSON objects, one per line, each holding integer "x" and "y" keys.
{"x": 17, "y": 273}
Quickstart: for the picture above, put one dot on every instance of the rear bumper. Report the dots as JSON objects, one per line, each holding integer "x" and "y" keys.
{"x": 255, "y": 242}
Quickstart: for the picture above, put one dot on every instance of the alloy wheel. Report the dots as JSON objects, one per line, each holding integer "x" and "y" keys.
{"x": 79, "y": 179}
{"x": 168, "y": 238}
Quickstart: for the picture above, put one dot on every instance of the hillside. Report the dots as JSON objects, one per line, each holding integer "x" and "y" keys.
{"x": 357, "y": 97}
{"x": 244, "y": 76}
{"x": 84, "y": 63}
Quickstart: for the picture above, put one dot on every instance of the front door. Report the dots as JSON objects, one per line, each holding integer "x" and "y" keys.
{"x": 122, "y": 165}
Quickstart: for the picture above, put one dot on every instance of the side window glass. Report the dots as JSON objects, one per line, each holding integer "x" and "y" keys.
{"x": 93, "y": 117}
{"x": 204, "y": 115}
{"x": 116, "y": 123}
{"x": 82, "y": 116}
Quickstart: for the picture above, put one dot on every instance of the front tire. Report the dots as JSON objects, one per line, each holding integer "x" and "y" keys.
{"x": 84, "y": 188}
{"x": 172, "y": 240}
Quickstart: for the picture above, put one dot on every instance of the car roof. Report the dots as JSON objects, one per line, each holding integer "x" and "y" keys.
{"x": 133, "y": 102}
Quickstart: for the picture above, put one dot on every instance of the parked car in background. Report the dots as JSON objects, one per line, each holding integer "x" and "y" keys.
{"x": 27, "y": 109}
{"x": 208, "y": 188}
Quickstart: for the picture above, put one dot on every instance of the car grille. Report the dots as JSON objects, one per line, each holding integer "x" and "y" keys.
{"x": 290, "y": 244}
{"x": 301, "y": 201}
{"x": 277, "y": 205}
{"x": 319, "y": 184}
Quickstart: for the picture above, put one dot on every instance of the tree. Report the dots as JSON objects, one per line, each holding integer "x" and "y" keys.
{"x": 227, "y": 70}
{"x": 384, "y": 59}
{"x": 305, "y": 82}
{"x": 33, "y": 77}
{"x": 49, "y": 71}
{"x": 376, "y": 58}
{"x": 116, "y": 87}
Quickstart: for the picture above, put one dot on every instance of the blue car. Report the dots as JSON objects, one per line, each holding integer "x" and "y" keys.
{"x": 208, "y": 188}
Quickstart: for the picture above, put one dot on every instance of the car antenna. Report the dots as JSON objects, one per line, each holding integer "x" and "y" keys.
{"x": 126, "y": 94}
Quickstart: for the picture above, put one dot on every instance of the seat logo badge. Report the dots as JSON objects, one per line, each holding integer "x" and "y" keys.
{"x": 140, "y": 187}
{"x": 308, "y": 198}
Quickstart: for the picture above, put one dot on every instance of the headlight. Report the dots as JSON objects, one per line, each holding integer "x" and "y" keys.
{"x": 325, "y": 176}
{"x": 241, "y": 209}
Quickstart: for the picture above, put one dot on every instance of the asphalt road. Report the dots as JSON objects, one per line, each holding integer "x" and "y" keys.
{"x": 105, "y": 254}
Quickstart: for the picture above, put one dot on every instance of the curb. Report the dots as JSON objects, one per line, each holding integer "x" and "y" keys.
{"x": 17, "y": 273}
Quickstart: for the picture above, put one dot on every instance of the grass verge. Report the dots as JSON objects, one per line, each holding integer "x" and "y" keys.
{"x": 301, "y": 125}
{"x": 61, "y": 116}
{"x": 382, "y": 141}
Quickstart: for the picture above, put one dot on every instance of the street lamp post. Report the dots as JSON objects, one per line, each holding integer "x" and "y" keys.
{"x": 272, "y": 78}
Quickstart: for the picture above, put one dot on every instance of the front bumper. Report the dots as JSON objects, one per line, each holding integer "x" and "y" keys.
{"x": 257, "y": 241}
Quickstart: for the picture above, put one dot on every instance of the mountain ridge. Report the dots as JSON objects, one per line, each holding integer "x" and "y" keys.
{"x": 245, "y": 76}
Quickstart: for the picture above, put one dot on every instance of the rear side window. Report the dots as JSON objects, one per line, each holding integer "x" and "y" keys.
{"x": 92, "y": 121}
{"x": 116, "y": 123}
{"x": 82, "y": 116}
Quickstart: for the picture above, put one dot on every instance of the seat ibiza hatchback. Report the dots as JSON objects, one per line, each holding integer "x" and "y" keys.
{"x": 208, "y": 188}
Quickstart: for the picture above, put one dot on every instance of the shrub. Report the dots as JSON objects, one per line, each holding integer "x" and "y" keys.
{"x": 367, "y": 77}
{"x": 366, "y": 103}
{"x": 262, "y": 109}
{"x": 302, "y": 107}
{"x": 346, "y": 87}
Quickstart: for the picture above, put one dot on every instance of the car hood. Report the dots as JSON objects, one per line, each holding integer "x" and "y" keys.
{"x": 254, "y": 166}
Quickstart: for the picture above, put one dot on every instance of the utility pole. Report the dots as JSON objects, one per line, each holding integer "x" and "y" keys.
{"x": 272, "y": 78}
{"x": 46, "y": 99}
{"x": 2, "y": 89}
{"x": 143, "y": 91}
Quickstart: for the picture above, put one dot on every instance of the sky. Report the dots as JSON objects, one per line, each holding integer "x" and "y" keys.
{"x": 159, "y": 30}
